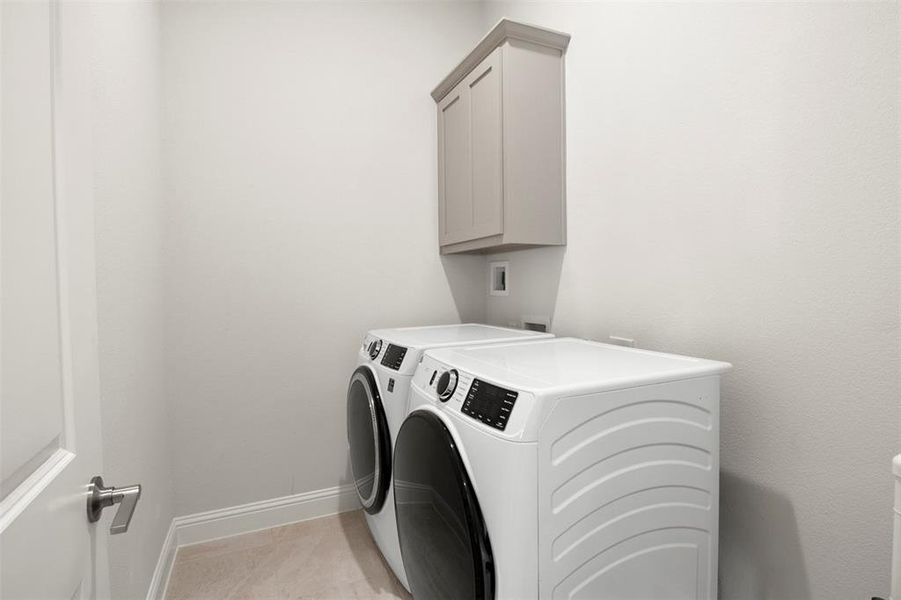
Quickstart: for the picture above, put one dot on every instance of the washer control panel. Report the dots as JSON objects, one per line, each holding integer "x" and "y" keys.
{"x": 375, "y": 346}
{"x": 489, "y": 403}
{"x": 394, "y": 357}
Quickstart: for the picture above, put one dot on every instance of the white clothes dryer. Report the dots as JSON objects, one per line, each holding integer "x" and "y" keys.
{"x": 377, "y": 398}
{"x": 560, "y": 468}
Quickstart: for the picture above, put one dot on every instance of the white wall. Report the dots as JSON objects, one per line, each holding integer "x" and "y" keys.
{"x": 733, "y": 192}
{"x": 299, "y": 145}
{"x": 129, "y": 228}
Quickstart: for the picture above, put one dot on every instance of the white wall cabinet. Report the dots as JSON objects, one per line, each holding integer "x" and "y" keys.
{"x": 501, "y": 169}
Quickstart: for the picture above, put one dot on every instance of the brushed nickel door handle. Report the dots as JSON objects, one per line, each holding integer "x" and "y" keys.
{"x": 101, "y": 497}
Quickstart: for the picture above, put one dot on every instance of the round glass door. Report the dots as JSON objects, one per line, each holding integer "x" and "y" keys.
{"x": 368, "y": 437}
{"x": 443, "y": 539}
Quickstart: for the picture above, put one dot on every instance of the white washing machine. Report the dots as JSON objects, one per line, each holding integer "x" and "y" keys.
{"x": 560, "y": 468}
{"x": 377, "y": 399}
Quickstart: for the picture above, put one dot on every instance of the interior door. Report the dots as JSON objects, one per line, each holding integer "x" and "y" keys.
{"x": 49, "y": 395}
{"x": 369, "y": 440}
{"x": 443, "y": 538}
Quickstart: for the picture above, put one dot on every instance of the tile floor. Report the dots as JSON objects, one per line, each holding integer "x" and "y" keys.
{"x": 331, "y": 557}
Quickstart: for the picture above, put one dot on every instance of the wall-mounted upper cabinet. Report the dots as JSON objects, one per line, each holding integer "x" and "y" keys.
{"x": 501, "y": 126}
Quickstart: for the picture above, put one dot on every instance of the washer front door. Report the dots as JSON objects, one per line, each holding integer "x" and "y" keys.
{"x": 369, "y": 440}
{"x": 443, "y": 538}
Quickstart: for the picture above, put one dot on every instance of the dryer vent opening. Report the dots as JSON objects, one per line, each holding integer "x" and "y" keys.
{"x": 536, "y": 323}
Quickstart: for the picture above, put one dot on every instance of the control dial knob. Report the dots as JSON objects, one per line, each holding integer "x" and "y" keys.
{"x": 375, "y": 346}
{"x": 446, "y": 385}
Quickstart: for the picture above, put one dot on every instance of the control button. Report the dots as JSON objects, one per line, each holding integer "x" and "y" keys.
{"x": 447, "y": 383}
{"x": 374, "y": 348}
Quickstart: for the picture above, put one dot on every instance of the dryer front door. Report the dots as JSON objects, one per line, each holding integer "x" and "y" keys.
{"x": 369, "y": 440}
{"x": 443, "y": 538}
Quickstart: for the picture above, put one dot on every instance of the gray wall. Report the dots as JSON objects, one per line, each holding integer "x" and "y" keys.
{"x": 299, "y": 145}
{"x": 129, "y": 230}
{"x": 733, "y": 177}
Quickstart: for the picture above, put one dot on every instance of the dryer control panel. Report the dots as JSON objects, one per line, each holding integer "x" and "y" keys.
{"x": 489, "y": 403}
{"x": 479, "y": 401}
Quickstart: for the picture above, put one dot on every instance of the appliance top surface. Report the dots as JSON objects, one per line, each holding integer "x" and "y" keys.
{"x": 440, "y": 335}
{"x": 566, "y": 363}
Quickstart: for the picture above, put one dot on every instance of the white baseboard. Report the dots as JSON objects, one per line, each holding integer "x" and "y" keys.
{"x": 226, "y": 522}
{"x": 163, "y": 566}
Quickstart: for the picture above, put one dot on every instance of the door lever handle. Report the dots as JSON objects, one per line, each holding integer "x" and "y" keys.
{"x": 101, "y": 497}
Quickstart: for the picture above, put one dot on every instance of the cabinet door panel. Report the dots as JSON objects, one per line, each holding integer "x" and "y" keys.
{"x": 484, "y": 89}
{"x": 454, "y": 170}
